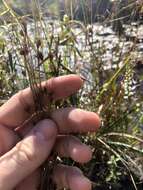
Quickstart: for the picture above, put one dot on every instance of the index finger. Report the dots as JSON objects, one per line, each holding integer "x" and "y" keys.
{"x": 15, "y": 111}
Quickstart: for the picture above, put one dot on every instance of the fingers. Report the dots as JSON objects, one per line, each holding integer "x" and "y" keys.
{"x": 8, "y": 139}
{"x": 70, "y": 178}
{"x": 20, "y": 106}
{"x": 71, "y": 120}
{"x": 31, "y": 182}
{"x": 63, "y": 176}
{"x": 70, "y": 146}
{"x": 27, "y": 155}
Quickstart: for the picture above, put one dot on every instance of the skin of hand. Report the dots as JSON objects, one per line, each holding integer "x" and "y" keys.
{"x": 20, "y": 159}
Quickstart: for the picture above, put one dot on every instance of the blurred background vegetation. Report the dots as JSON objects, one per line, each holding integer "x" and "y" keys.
{"x": 101, "y": 41}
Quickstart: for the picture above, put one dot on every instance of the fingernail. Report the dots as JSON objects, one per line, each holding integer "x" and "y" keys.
{"x": 40, "y": 136}
{"x": 45, "y": 130}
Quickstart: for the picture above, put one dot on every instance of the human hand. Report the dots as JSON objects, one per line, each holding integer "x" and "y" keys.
{"x": 20, "y": 160}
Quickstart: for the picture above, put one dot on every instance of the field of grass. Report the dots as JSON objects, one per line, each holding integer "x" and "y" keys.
{"x": 113, "y": 88}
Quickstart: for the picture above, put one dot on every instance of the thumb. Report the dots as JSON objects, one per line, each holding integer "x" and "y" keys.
{"x": 27, "y": 155}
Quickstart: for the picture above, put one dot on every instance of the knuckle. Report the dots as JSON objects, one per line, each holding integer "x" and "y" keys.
{"x": 24, "y": 154}
{"x": 22, "y": 100}
{"x": 50, "y": 84}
